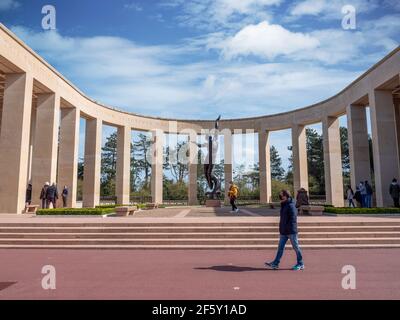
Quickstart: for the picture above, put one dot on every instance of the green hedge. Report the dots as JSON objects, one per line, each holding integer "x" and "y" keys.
{"x": 75, "y": 212}
{"x": 361, "y": 210}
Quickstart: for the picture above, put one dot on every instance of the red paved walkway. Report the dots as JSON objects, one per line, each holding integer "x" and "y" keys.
{"x": 92, "y": 274}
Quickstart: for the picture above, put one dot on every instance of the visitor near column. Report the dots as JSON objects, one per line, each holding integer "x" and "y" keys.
{"x": 28, "y": 197}
{"x": 65, "y": 196}
{"x": 350, "y": 196}
{"x": 43, "y": 195}
{"x": 288, "y": 230}
{"x": 363, "y": 192}
{"x": 394, "y": 191}
{"x": 52, "y": 196}
{"x": 233, "y": 194}
{"x": 368, "y": 197}
{"x": 302, "y": 199}
{"x": 358, "y": 197}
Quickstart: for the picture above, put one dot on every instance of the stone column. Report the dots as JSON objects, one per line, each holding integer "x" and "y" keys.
{"x": 228, "y": 162}
{"x": 384, "y": 142}
{"x": 357, "y": 129}
{"x": 68, "y": 153}
{"x": 157, "y": 166}
{"x": 14, "y": 142}
{"x": 265, "y": 167}
{"x": 45, "y": 145}
{"x": 193, "y": 162}
{"x": 91, "y": 174}
{"x": 333, "y": 162}
{"x": 299, "y": 152}
{"x": 123, "y": 176}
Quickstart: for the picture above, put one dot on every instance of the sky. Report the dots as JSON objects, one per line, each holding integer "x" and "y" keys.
{"x": 197, "y": 59}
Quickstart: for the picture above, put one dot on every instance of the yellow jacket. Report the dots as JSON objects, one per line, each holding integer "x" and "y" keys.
{"x": 233, "y": 191}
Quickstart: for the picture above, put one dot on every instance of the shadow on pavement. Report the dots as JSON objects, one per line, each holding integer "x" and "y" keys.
{"x": 5, "y": 285}
{"x": 236, "y": 269}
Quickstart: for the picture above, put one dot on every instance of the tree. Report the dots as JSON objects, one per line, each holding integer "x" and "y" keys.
{"x": 141, "y": 152}
{"x": 176, "y": 161}
{"x": 109, "y": 165}
{"x": 277, "y": 171}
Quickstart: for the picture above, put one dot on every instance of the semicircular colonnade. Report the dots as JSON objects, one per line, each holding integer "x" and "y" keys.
{"x": 40, "y": 114}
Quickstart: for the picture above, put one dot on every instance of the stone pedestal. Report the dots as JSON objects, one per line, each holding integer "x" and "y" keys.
{"x": 213, "y": 203}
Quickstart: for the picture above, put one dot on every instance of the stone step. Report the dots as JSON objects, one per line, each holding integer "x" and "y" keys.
{"x": 196, "y": 247}
{"x": 221, "y": 235}
{"x": 157, "y": 242}
{"x": 179, "y": 229}
{"x": 394, "y": 223}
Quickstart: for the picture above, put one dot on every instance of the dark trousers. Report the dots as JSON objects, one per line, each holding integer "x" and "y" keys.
{"x": 396, "y": 202}
{"x": 233, "y": 203}
{"x": 65, "y": 198}
{"x": 53, "y": 202}
{"x": 44, "y": 204}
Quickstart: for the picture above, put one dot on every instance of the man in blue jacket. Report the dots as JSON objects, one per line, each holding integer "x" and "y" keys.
{"x": 287, "y": 230}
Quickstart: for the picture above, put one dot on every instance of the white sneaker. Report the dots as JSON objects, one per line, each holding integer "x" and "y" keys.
{"x": 237, "y": 210}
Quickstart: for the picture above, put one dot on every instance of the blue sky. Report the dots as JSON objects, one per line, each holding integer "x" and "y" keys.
{"x": 201, "y": 58}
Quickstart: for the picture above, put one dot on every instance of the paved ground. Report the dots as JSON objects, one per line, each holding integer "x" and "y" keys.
{"x": 92, "y": 274}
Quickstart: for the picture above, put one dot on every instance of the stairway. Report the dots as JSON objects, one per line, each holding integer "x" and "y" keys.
{"x": 203, "y": 235}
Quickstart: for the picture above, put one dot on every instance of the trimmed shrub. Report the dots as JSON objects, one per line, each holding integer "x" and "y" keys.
{"x": 361, "y": 210}
{"x": 75, "y": 212}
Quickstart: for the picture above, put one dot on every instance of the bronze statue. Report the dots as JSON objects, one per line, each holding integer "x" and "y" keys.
{"x": 213, "y": 183}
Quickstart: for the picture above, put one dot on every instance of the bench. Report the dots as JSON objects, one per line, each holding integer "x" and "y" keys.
{"x": 125, "y": 211}
{"x": 311, "y": 210}
{"x": 151, "y": 205}
{"x": 31, "y": 209}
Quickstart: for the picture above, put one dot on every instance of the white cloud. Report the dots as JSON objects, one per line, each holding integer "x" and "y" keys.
{"x": 8, "y": 5}
{"x": 267, "y": 40}
{"x": 330, "y": 9}
{"x": 230, "y": 14}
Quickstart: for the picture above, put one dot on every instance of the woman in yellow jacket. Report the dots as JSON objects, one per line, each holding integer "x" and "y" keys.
{"x": 233, "y": 194}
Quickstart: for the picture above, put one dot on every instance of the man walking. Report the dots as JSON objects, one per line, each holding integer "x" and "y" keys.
{"x": 65, "y": 196}
{"x": 287, "y": 230}
{"x": 52, "y": 196}
{"x": 233, "y": 194}
{"x": 394, "y": 191}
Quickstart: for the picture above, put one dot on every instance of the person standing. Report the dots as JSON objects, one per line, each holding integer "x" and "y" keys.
{"x": 363, "y": 192}
{"x": 43, "y": 194}
{"x": 358, "y": 197}
{"x": 394, "y": 191}
{"x": 288, "y": 230}
{"x": 28, "y": 195}
{"x": 233, "y": 194}
{"x": 52, "y": 196}
{"x": 350, "y": 196}
{"x": 369, "y": 192}
{"x": 302, "y": 200}
{"x": 65, "y": 196}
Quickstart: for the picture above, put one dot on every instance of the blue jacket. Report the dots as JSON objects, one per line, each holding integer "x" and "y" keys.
{"x": 288, "y": 221}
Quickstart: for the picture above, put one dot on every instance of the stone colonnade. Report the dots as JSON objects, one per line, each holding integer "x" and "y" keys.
{"x": 40, "y": 115}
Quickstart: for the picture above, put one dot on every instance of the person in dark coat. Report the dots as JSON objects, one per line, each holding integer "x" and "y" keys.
{"x": 28, "y": 196}
{"x": 287, "y": 230}
{"x": 358, "y": 197}
{"x": 52, "y": 196}
{"x": 394, "y": 191}
{"x": 65, "y": 196}
{"x": 302, "y": 200}
{"x": 43, "y": 195}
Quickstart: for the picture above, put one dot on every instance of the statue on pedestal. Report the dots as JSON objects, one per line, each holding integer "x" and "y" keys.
{"x": 212, "y": 147}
